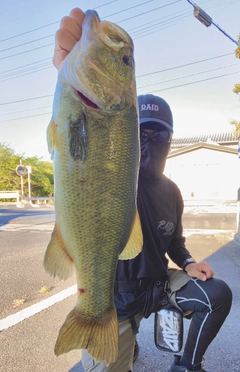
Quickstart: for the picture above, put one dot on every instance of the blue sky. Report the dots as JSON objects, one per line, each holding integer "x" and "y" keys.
{"x": 192, "y": 66}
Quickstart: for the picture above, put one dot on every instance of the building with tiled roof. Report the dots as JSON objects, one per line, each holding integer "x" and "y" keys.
{"x": 224, "y": 139}
{"x": 205, "y": 166}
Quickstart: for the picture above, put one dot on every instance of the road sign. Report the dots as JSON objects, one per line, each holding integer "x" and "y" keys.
{"x": 21, "y": 170}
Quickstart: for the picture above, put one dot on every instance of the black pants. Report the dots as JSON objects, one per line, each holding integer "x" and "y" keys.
{"x": 210, "y": 302}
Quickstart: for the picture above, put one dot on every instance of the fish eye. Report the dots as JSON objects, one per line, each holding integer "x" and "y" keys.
{"x": 126, "y": 60}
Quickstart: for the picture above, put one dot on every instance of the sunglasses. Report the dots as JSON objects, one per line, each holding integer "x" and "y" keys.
{"x": 159, "y": 138}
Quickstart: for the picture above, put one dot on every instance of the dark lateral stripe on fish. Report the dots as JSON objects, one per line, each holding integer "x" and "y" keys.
{"x": 78, "y": 138}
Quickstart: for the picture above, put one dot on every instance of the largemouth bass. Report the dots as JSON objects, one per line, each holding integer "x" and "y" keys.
{"x": 93, "y": 136}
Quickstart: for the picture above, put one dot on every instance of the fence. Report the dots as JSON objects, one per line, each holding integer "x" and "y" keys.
{"x": 9, "y": 195}
{"x": 38, "y": 199}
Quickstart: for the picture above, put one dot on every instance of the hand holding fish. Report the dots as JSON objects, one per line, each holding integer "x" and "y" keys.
{"x": 69, "y": 33}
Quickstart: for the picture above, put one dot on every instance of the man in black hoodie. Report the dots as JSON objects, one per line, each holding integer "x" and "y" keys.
{"x": 141, "y": 282}
{"x": 160, "y": 205}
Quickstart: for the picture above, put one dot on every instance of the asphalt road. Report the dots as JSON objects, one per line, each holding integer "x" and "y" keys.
{"x": 28, "y": 345}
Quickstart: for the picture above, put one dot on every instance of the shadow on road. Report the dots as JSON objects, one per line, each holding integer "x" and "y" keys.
{"x": 8, "y": 215}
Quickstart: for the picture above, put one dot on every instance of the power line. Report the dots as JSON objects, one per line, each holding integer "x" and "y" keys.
{"x": 49, "y": 24}
{"x": 20, "y": 111}
{"x": 28, "y": 32}
{"x": 208, "y": 21}
{"x": 27, "y": 42}
{"x": 26, "y": 51}
{"x": 160, "y": 21}
{"x": 140, "y": 31}
{"x": 25, "y": 69}
{"x": 125, "y": 10}
{"x": 137, "y": 77}
{"x": 25, "y": 117}
{"x": 193, "y": 82}
{"x": 155, "y": 28}
{"x": 154, "y": 91}
{"x": 168, "y": 23}
{"x": 190, "y": 83}
{"x": 184, "y": 65}
{"x": 188, "y": 75}
{"x": 18, "y": 45}
{"x": 149, "y": 11}
{"x": 28, "y": 64}
{"x": 26, "y": 99}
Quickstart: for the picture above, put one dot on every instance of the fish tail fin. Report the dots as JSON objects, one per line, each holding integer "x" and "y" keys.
{"x": 135, "y": 241}
{"x": 98, "y": 336}
{"x": 57, "y": 260}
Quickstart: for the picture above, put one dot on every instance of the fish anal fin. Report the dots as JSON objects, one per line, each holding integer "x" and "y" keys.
{"x": 135, "y": 241}
{"x": 57, "y": 260}
{"x": 52, "y": 136}
{"x": 98, "y": 336}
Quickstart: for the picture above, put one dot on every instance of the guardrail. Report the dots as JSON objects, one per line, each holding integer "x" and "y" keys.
{"x": 44, "y": 199}
{"x": 9, "y": 195}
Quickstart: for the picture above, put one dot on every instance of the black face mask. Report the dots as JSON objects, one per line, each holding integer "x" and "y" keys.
{"x": 153, "y": 159}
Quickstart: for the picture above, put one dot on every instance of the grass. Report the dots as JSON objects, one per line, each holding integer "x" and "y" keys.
{"x": 18, "y": 302}
{"x": 45, "y": 289}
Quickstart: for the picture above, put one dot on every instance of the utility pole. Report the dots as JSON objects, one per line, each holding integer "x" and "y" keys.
{"x": 204, "y": 18}
{"x": 21, "y": 183}
{"x": 29, "y": 168}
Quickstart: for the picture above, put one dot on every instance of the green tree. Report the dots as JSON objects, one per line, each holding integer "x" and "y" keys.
{"x": 9, "y": 180}
{"x": 236, "y": 90}
{"x": 41, "y": 176}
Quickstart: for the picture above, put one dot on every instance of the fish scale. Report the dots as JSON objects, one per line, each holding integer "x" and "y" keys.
{"x": 95, "y": 146}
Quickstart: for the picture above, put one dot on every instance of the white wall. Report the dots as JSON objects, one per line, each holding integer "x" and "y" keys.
{"x": 205, "y": 174}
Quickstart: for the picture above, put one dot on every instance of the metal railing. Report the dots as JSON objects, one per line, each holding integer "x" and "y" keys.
{"x": 38, "y": 199}
{"x": 9, "y": 195}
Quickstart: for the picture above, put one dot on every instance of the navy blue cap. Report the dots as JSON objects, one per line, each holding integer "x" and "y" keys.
{"x": 154, "y": 113}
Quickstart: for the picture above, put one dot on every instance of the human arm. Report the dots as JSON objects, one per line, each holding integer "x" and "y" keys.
{"x": 179, "y": 253}
{"x": 67, "y": 35}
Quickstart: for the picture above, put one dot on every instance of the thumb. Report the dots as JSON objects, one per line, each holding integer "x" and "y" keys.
{"x": 202, "y": 276}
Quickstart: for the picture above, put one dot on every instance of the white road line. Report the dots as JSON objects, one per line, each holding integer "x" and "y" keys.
{"x": 186, "y": 232}
{"x": 36, "y": 308}
{"x": 22, "y": 227}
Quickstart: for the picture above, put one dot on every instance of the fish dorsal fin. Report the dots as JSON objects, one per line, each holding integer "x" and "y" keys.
{"x": 135, "y": 241}
{"x": 52, "y": 136}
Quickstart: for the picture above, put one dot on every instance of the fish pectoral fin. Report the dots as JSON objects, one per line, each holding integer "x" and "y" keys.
{"x": 135, "y": 241}
{"x": 57, "y": 260}
{"x": 52, "y": 136}
{"x": 98, "y": 336}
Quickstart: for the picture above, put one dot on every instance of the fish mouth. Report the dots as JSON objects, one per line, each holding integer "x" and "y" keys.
{"x": 87, "y": 101}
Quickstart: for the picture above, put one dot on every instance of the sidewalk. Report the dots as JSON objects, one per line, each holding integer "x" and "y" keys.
{"x": 211, "y": 206}
{"x": 223, "y": 353}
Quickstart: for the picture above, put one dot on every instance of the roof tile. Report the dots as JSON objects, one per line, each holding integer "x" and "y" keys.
{"x": 221, "y": 138}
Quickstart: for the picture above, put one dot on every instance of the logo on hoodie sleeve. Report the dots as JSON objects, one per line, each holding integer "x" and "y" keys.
{"x": 167, "y": 227}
